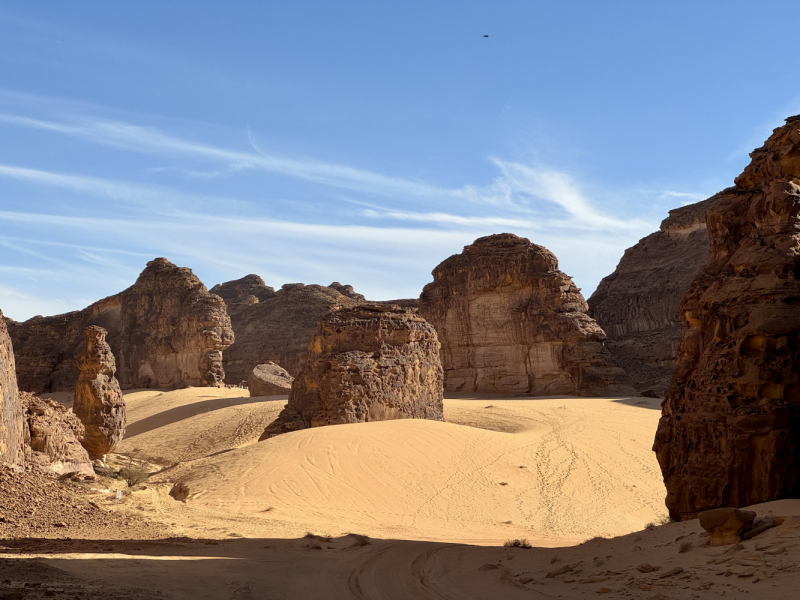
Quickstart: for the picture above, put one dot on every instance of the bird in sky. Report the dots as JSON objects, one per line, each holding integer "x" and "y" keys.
{"x": 486, "y": 36}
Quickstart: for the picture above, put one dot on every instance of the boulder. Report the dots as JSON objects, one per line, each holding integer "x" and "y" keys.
{"x": 52, "y": 435}
{"x": 11, "y": 414}
{"x": 637, "y": 305}
{"x": 511, "y": 323}
{"x": 269, "y": 379}
{"x": 275, "y": 326}
{"x": 729, "y": 433}
{"x": 725, "y": 525}
{"x": 369, "y": 363}
{"x": 98, "y": 399}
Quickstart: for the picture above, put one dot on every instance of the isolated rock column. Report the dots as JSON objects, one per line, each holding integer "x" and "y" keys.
{"x": 99, "y": 403}
{"x": 368, "y": 363}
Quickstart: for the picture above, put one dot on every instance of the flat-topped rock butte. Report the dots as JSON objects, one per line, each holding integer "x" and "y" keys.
{"x": 511, "y": 323}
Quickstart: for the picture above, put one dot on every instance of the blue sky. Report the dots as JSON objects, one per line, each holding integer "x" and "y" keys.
{"x": 363, "y": 142}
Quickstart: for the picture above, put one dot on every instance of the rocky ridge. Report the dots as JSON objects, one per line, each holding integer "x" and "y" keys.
{"x": 373, "y": 362}
{"x": 275, "y": 326}
{"x": 729, "y": 434}
{"x": 637, "y": 305}
{"x": 510, "y": 322}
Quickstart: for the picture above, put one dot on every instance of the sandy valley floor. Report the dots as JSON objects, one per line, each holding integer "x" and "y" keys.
{"x": 436, "y": 500}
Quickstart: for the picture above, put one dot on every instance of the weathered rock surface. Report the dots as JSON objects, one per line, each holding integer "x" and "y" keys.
{"x": 269, "y": 379}
{"x": 725, "y": 525}
{"x": 637, "y": 305}
{"x": 98, "y": 399}
{"x": 275, "y": 326}
{"x": 729, "y": 434}
{"x": 511, "y": 323}
{"x": 52, "y": 437}
{"x": 165, "y": 331}
{"x": 11, "y": 416}
{"x": 172, "y": 330}
{"x": 370, "y": 363}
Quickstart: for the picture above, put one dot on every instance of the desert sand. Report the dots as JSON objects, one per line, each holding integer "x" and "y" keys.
{"x": 436, "y": 500}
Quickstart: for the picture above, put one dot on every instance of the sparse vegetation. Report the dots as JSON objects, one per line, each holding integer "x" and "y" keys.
{"x": 663, "y": 520}
{"x": 554, "y": 559}
{"x": 360, "y": 540}
{"x": 136, "y": 471}
{"x": 518, "y": 543}
{"x": 686, "y": 545}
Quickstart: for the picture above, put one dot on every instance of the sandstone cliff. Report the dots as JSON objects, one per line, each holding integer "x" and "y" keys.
{"x": 275, "y": 326}
{"x": 165, "y": 330}
{"x": 637, "y": 305}
{"x": 98, "y": 399}
{"x": 729, "y": 434}
{"x": 11, "y": 416}
{"x": 511, "y": 323}
{"x": 370, "y": 363}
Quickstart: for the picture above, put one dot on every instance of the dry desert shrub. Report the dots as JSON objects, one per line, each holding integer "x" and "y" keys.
{"x": 686, "y": 545}
{"x": 136, "y": 471}
{"x": 663, "y": 520}
{"x": 360, "y": 540}
{"x": 518, "y": 543}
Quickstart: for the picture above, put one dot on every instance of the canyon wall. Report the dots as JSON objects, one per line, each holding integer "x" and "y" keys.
{"x": 370, "y": 363}
{"x": 637, "y": 305}
{"x": 729, "y": 434}
{"x": 510, "y": 322}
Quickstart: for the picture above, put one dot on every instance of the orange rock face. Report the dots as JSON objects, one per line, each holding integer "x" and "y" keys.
{"x": 374, "y": 362}
{"x": 511, "y": 323}
{"x": 729, "y": 434}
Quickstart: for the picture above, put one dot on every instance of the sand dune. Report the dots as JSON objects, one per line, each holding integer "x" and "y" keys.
{"x": 555, "y": 471}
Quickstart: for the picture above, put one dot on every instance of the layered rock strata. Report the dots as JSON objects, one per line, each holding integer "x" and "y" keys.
{"x": 729, "y": 434}
{"x": 98, "y": 399}
{"x": 511, "y": 323}
{"x": 269, "y": 379}
{"x": 370, "y": 363}
{"x": 275, "y": 326}
{"x": 11, "y": 415}
{"x": 637, "y": 305}
{"x": 166, "y": 330}
{"x": 52, "y": 437}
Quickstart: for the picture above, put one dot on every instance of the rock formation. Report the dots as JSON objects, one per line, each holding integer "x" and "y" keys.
{"x": 52, "y": 435}
{"x": 172, "y": 330}
{"x": 98, "y": 399}
{"x": 729, "y": 434}
{"x": 370, "y": 363}
{"x": 725, "y": 525}
{"x": 165, "y": 331}
{"x": 637, "y": 305}
{"x": 269, "y": 379}
{"x": 11, "y": 416}
{"x": 511, "y": 323}
{"x": 275, "y": 326}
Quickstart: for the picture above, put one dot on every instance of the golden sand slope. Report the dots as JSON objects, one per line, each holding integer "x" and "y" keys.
{"x": 554, "y": 471}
